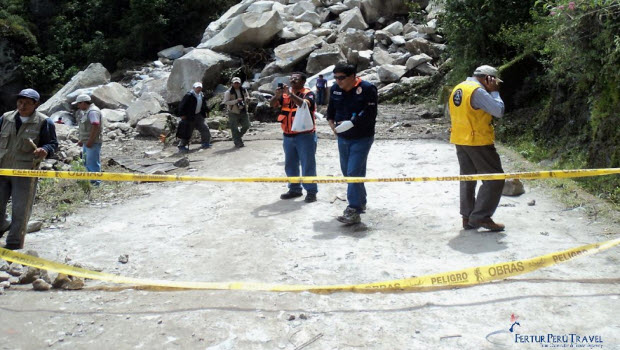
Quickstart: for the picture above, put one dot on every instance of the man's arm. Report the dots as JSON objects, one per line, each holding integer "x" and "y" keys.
{"x": 227, "y": 100}
{"x": 369, "y": 112}
{"x": 94, "y": 120}
{"x": 489, "y": 102}
{"x": 182, "y": 107}
{"x": 48, "y": 142}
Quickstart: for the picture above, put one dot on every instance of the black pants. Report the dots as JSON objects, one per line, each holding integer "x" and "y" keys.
{"x": 21, "y": 190}
{"x": 479, "y": 160}
{"x": 186, "y": 128}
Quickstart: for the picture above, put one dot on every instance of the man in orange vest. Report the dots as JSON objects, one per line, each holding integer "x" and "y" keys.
{"x": 299, "y": 147}
{"x": 473, "y": 104}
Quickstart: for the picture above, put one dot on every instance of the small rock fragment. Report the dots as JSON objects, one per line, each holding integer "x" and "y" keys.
{"x": 532, "y": 203}
{"x": 123, "y": 258}
{"x": 41, "y": 285}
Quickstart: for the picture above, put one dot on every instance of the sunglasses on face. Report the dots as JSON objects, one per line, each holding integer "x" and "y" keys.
{"x": 340, "y": 77}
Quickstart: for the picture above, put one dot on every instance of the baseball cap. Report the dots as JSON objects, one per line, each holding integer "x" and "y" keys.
{"x": 197, "y": 85}
{"x": 29, "y": 93}
{"x": 488, "y": 70}
{"x": 236, "y": 80}
{"x": 81, "y": 98}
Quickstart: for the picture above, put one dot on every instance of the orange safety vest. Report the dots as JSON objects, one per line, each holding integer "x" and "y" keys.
{"x": 470, "y": 127}
{"x": 287, "y": 114}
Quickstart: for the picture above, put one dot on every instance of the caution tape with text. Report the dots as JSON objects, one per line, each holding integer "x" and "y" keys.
{"x": 78, "y": 175}
{"x": 466, "y": 277}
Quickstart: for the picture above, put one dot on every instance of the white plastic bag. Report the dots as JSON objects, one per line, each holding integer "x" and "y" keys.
{"x": 303, "y": 119}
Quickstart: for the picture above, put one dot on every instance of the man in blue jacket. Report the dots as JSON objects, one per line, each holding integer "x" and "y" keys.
{"x": 351, "y": 113}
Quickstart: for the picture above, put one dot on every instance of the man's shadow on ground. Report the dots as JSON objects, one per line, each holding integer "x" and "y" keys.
{"x": 477, "y": 241}
{"x": 278, "y": 207}
{"x": 334, "y": 229}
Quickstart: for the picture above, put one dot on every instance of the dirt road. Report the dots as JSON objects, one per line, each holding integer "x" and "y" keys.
{"x": 244, "y": 232}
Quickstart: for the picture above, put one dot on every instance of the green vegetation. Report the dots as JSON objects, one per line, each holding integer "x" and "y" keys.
{"x": 56, "y": 39}
{"x": 559, "y": 60}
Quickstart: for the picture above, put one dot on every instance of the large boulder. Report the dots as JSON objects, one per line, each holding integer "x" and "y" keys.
{"x": 389, "y": 73}
{"x": 114, "y": 115}
{"x": 112, "y": 95}
{"x": 352, "y": 19}
{"x": 199, "y": 65}
{"x": 95, "y": 74}
{"x": 145, "y": 106}
{"x": 153, "y": 125}
{"x": 157, "y": 85}
{"x": 381, "y": 56}
{"x": 289, "y": 54}
{"x": 329, "y": 54}
{"x": 216, "y": 26}
{"x": 417, "y": 60}
{"x": 395, "y": 28}
{"x": 246, "y": 31}
{"x": 354, "y": 39}
{"x": 300, "y": 7}
{"x": 310, "y": 17}
{"x": 260, "y": 6}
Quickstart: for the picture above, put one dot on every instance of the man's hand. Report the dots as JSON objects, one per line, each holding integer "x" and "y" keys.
{"x": 40, "y": 153}
{"x": 490, "y": 83}
{"x": 183, "y": 117}
{"x": 89, "y": 144}
{"x": 80, "y": 143}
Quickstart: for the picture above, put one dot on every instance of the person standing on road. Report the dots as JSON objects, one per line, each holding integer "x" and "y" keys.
{"x": 321, "y": 87}
{"x": 26, "y": 137}
{"x": 236, "y": 99}
{"x": 299, "y": 147}
{"x": 351, "y": 113}
{"x": 90, "y": 127}
{"x": 473, "y": 104}
{"x": 193, "y": 111}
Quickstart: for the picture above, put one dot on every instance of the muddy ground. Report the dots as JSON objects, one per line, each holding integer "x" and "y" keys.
{"x": 243, "y": 232}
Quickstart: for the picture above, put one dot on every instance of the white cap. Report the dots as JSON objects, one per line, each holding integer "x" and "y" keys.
{"x": 197, "y": 85}
{"x": 488, "y": 70}
{"x": 81, "y": 98}
{"x": 236, "y": 80}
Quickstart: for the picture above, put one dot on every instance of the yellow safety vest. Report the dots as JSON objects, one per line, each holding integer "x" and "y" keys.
{"x": 470, "y": 127}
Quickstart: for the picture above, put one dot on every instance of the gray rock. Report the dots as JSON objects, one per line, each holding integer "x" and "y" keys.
{"x": 63, "y": 131}
{"x": 29, "y": 276}
{"x": 289, "y": 54}
{"x": 112, "y": 96}
{"x": 182, "y": 163}
{"x": 417, "y": 60}
{"x": 352, "y": 19}
{"x": 246, "y": 31}
{"x": 329, "y": 54}
{"x": 40, "y": 285}
{"x": 113, "y": 115}
{"x": 34, "y": 226}
{"x": 5, "y": 284}
{"x": 354, "y": 40}
{"x": 426, "y": 69}
{"x": 15, "y": 269}
{"x": 260, "y": 6}
{"x": 95, "y": 74}
{"x": 199, "y": 65}
{"x": 375, "y": 9}
{"x": 300, "y": 7}
{"x": 171, "y": 53}
{"x": 141, "y": 108}
{"x": 337, "y": 9}
{"x": 389, "y": 73}
{"x": 395, "y": 28}
{"x": 310, "y": 17}
{"x": 124, "y": 258}
{"x": 513, "y": 187}
{"x": 4, "y": 276}
{"x": 4, "y": 265}
{"x": 152, "y": 126}
{"x": 295, "y": 30}
{"x": 381, "y": 57}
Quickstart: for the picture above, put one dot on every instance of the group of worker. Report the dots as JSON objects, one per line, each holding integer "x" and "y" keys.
{"x": 28, "y": 136}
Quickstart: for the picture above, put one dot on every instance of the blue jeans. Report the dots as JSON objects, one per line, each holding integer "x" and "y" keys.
{"x": 353, "y": 158}
{"x": 92, "y": 160}
{"x": 300, "y": 150}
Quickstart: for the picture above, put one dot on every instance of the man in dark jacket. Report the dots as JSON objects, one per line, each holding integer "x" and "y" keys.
{"x": 351, "y": 113}
{"x": 193, "y": 110}
{"x": 26, "y": 137}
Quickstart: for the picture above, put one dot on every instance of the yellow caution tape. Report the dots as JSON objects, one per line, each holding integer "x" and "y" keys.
{"x": 79, "y": 175}
{"x": 466, "y": 277}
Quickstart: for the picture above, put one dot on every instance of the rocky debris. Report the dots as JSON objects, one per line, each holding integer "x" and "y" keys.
{"x": 531, "y": 203}
{"x": 154, "y": 125}
{"x": 41, "y": 285}
{"x": 328, "y": 55}
{"x": 172, "y": 53}
{"x": 182, "y": 163}
{"x": 124, "y": 258}
{"x": 143, "y": 107}
{"x": 114, "y": 115}
{"x": 4, "y": 276}
{"x": 4, "y": 266}
{"x": 68, "y": 282}
{"x": 352, "y": 19}
{"x": 513, "y": 187}
{"x": 289, "y": 54}
{"x": 15, "y": 269}
{"x": 5, "y": 284}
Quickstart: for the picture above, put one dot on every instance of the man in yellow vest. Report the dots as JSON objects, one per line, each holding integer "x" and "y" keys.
{"x": 473, "y": 104}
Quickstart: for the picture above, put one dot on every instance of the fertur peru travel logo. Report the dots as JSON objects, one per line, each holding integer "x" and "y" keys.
{"x": 513, "y": 335}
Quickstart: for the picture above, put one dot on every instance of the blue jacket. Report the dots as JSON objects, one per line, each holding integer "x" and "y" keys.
{"x": 361, "y": 101}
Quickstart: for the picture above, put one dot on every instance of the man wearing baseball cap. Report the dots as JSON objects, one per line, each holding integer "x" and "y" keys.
{"x": 473, "y": 104}
{"x": 90, "y": 130}
{"x": 236, "y": 100}
{"x": 26, "y": 137}
{"x": 193, "y": 110}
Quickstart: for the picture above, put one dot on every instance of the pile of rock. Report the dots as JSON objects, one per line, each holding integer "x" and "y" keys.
{"x": 17, "y": 274}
